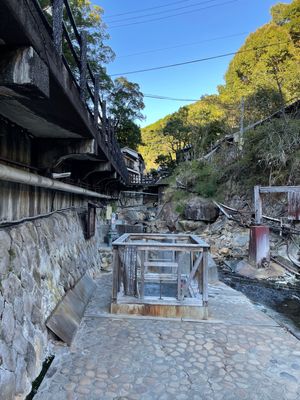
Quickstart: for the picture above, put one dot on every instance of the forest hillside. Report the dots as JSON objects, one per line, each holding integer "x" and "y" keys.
{"x": 262, "y": 78}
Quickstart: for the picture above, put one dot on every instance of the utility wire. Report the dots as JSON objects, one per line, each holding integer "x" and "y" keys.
{"x": 157, "y": 97}
{"x": 199, "y": 60}
{"x": 163, "y": 12}
{"x": 147, "y": 9}
{"x": 174, "y": 15}
{"x": 184, "y": 45}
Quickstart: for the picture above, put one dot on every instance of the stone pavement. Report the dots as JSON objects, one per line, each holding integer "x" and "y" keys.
{"x": 240, "y": 353}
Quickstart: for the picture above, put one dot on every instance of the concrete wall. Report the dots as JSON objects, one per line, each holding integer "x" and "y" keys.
{"x": 39, "y": 261}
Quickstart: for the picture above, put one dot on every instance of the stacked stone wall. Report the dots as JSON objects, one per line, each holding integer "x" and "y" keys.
{"x": 39, "y": 261}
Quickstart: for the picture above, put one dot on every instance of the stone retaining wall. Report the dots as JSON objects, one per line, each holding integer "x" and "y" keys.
{"x": 39, "y": 261}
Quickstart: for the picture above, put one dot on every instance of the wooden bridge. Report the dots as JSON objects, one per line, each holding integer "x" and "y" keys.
{"x": 39, "y": 91}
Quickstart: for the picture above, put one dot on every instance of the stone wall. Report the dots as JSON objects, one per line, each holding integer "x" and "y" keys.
{"x": 39, "y": 261}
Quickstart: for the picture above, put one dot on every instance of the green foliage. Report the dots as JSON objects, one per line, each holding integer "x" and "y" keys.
{"x": 178, "y": 130}
{"x": 125, "y": 102}
{"x": 154, "y": 143}
{"x": 125, "y": 106}
{"x": 288, "y": 16}
{"x": 207, "y": 181}
{"x": 198, "y": 177}
{"x": 199, "y": 124}
{"x": 129, "y": 134}
{"x": 270, "y": 151}
{"x": 273, "y": 68}
{"x": 265, "y": 74}
{"x": 177, "y": 197}
{"x": 89, "y": 18}
{"x": 271, "y": 156}
{"x": 165, "y": 162}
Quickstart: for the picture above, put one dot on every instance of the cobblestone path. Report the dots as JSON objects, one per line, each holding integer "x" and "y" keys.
{"x": 240, "y": 353}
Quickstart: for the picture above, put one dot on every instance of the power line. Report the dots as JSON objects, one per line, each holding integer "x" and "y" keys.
{"x": 163, "y": 12}
{"x": 147, "y": 9}
{"x": 157, "y": 97}
{"x": 184, "y": 45}
{"x": 199, "y": 60}
{"x": 174, "y": 15}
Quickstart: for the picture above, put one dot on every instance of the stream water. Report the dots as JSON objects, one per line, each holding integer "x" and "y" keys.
{"x": 280, "y": 303}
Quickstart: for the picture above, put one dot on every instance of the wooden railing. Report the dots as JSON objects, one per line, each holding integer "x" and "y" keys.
{"x": 144, "y": 180}
{"x": 63, "y": 29}
{"x": 171, "y": 262}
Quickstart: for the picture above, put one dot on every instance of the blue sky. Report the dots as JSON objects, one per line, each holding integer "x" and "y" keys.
{"x": 200, "y": 32}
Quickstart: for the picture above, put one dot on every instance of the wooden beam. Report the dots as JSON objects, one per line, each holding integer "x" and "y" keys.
{"x": 257, "y": 205}
{"x": 179, "y": 291}
{"x": 142, "y": 293}
{"x": 161, "y": 264}
{"x": 115, "y": 283}
{"x": 192, "y": 275}
{"x": 96, "y": 99}
{"x": 83, "y": 65}
{"x": 279, "y": 189}
{"x": 57, "y": 24}
{"x": 205, "y": 278}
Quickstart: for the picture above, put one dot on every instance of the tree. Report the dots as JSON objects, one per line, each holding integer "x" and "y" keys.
{"x": 154, "y": 143}
{"x": 129, "y": 134}
{"x": 178, "y": 130}
{"x": 166, "y": 162}
{"x": 88, "y": 18}
{"x": 125, "y": 102}
{"x": 269, "y": 59}
{"x": 288, "y": 16}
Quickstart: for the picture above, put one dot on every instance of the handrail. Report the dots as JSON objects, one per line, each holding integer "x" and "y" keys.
{"x": 72, "y": 20}
{"x": 85, "y": 81}
{"x": 70, "y": 44}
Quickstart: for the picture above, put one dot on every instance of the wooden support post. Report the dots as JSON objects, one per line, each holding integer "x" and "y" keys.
{"x": 195, "y": 268}
{"x": 257, "y": 205}
{"x": 112, "y": 138}
{"x": 200, "y": 276}
{"x": 191, "y": 260}
{"x": 115, "y": 283}
{"x": 83, "y": 65}
{"x": 103, "y": 107}
{"x": 57, "y": 24}
{"x": 142, "y": 293}
{"x": 96, "y": 99}
{"x": 120, "y": 272}
{"x": 205, "y": 277}
{"x": 259, "y": 246}
{"x": 109, "y": 133}
{"x": 178, "y": 276}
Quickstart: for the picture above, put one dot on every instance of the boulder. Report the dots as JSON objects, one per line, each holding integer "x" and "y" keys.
{"x": 191, "y": 226}
{"x": 240, "y": 239}
{"x": 133, "y": 216}
{"x": 170, "y": 216}
{"x": 199, "y": 209}
{"x": 224, "y": 251}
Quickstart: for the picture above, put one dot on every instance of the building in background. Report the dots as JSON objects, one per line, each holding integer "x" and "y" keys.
{"x": 135, "y": 164}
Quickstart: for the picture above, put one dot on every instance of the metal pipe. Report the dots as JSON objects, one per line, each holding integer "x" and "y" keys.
{"x": 16, "y": 175}
{"x": 140, "y": 193}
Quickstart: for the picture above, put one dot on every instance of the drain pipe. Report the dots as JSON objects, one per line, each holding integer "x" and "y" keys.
{"x": 11, "y": 174}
